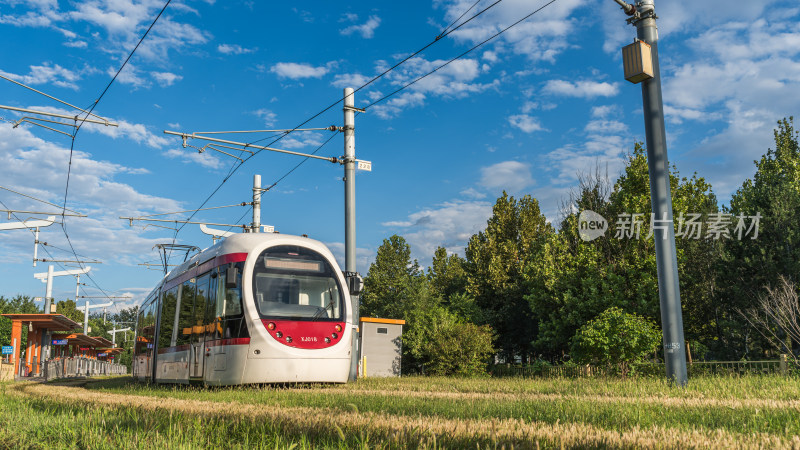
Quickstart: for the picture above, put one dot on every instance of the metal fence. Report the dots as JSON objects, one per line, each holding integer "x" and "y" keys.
{"x": 80, "y": 367}
{"x": 736, "y": 368}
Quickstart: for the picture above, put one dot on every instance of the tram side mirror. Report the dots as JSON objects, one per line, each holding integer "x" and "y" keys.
{"x": 232, "y": 278}
{"x": 354, "y": 282}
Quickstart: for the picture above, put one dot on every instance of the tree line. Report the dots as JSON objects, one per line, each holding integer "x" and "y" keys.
{"x": 525, "y": 288}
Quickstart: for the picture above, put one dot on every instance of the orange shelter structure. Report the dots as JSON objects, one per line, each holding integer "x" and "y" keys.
{"x": 40, "y": 327}
{"x": 108, "y": 354}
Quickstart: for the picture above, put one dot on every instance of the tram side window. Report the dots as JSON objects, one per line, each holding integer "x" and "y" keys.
{"x": 228, "y": 312}
{"x": 185, "y": 319}
{"x": 149, "y": 330}
{"x": 168, "y": 310}
{"x": 211, "y": 307}
{"x": 141, "y": 344}
{"x": 200, "y": 306}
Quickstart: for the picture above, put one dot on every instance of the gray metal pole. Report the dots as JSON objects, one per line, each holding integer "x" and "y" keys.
{"x": 47, "y": 302}
{"x": 350, "y": 216}
{"x": 48, "y": 292}
{"x": 349, "y": 182}
{"x": 256, "y": 203}
{"x": 86, "y": 319}
{"x": 661, "y": 200}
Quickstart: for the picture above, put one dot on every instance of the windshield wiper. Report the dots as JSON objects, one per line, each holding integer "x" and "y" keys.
{"x": 330, "y": 305}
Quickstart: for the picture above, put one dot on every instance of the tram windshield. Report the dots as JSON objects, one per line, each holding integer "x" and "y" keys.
{"x": 291, "y": 282}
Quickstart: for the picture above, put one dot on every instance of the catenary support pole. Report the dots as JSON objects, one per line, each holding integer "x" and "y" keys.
{"x": 86, "y": 319}
{"x": 661, "y": 199}
{"x": 48, "y": 292}
{"x": 350, "y": 216}
{"x": 256, "y": 203}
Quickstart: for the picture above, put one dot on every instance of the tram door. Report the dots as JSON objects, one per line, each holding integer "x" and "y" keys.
{"x": 196, "y": 354}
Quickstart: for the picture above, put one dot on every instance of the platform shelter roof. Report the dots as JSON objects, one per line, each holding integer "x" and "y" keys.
{"x": 103, "y": 342}
{"x": 53, "y": 322}
{"x": 110, "y": 351}
{"x": 82, "y": 339}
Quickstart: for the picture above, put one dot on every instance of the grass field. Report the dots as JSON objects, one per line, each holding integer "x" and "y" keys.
{"x": 751, "y": 412}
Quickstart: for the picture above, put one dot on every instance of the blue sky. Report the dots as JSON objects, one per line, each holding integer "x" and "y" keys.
{"x": 527, "y": 112}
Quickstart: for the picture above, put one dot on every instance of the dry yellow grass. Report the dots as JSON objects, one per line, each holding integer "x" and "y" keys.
{"x": 793, "y": 405}
{"x": 414, "y": 431}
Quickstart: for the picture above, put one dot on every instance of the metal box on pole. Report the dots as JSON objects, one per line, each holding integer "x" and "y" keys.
{"x": 638, "y": 62}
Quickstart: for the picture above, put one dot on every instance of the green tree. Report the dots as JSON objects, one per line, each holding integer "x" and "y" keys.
{"x": 447, "y": 275}
{"x": 448, "y": 345}
{"x": 574, "y": 280}
{"x": 19, "y": 304}
{"x": 752, "y": 263}
{"x": 615, "y": 338}
{"x": 447, "y": 278}
{"x": 69, "y": 309}
{"x": 395, "y": 288}
{"x": 393, "y": 281}
{"x": 515, "y": 234}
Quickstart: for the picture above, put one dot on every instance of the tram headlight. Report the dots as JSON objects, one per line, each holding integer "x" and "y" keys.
{"x": 278, "y": 335}
{"x": 271, "y": 326}
{"x": 327, "y": 340}
{"x": 335, "y": 336}
{"x": 288, "y": 339}
{"x": 338, "y": 328}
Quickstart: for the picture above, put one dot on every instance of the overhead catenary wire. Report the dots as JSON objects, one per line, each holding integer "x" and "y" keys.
{"x": 275, "y": 183}
{"x": 194, "y": 210}
{"x": 58, "y": 263}
{"x": 37, "y": 199}
{"x": 89, "y": 112}
{"x": 461, "y": 16}
{"x": 399, "y": 63}
{"x": 235, "y": 167}
{"x": 102, "y": 94}
{"x": 459, "y": 56}
{"x": 53, "y": 259}
{"x": 53, "y": 98}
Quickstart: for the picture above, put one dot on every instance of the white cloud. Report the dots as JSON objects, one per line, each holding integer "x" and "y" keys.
{"x": 125, "y": 21}
{"x": 76, "y": 44}
{"x": 133, "y": 131}
{"x": 583, "y": 89}
{"x": 364, "y": 256}
{"x": 490, "y": 56}
{"x": 606, "y": 127}
{"x": 540, "y": 38}
{"x": 606, "y": 111}
{"x": 47, "y": 73}
{"x": 39, "y": 167}
{"x": 301, "y": 139}
{"x": 136, "y": 132}
{"x": 455, "y": 80}
{"x": 571, "y": 160}
{"x": 736, "y": 78}
{"x": 526, "y": 123}
{"x": 366, "y": 30}
{"x": 166, "y": 79}
{"x": 449, "y": 224}
{"x": 129, "y": 75}
{"x": 234, "y": 49}
{"x": 473, "y": 193}
{"x": 349, "y": 80}
{"x": 296, "y": 71}
{"x": 267, "y": 116}
{"x": 206, "y": 158}
{"x": 511, "y": 176}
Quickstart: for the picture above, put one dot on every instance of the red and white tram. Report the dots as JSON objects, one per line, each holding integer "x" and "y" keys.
{"x": 254, "y": 308}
